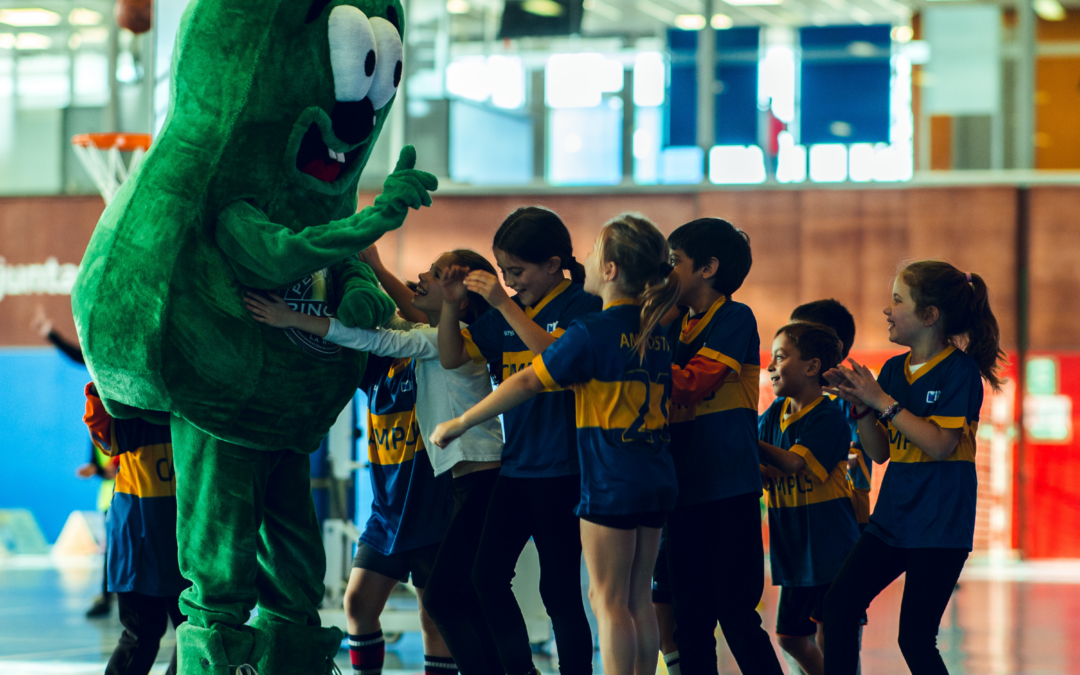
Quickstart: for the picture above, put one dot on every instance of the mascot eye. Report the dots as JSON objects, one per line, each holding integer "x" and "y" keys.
{"x": 352, "y": 53}
{"x": 388, "y": 67}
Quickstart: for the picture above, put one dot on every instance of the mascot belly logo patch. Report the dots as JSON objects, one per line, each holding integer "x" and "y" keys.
{"x": 309, "y": 296}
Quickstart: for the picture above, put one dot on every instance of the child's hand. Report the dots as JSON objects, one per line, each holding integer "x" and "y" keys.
{"x": 857, "y": 385}
{"x": 41, "y": 322}
{"x": 488, "y": 286}
{"x": 370, "y": 255}
{"x": 86, "y": 471}
{"x": 270, "y": 309}
{"x": 448, "y": 431}
{"x": 452, "y": 282}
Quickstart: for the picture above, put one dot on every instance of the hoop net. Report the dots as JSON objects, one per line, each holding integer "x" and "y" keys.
{"x": 102, "y": 155}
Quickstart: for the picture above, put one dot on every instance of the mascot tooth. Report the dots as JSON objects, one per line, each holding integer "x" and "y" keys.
{"x": 252, "y": 184}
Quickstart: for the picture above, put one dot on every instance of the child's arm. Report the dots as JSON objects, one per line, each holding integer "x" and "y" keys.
{"x": 518, "y": 388}
{"x": 394, "y": 287}
{"x": 452, "y": 350}
{"x": 701, "y": 377}
{"x": 398, "y": 344}
{"x": 532, "y": 334}
{"x": 99, "y": 421}
{"x": 784, "y": 460}
{"x": 273, "y": 311}
{"x": 858, "y": 385}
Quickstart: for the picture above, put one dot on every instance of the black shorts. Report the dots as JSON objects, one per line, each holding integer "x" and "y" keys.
{"x": 800, "y": 610}
{"x": 661, "y": 584}
{"x": 417, "y": 561}
{"x": 629, "y": 521}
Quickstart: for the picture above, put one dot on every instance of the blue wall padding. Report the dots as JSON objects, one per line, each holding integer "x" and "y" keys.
{"x": 42, "y": 436}
{"x": 841, "y": 84}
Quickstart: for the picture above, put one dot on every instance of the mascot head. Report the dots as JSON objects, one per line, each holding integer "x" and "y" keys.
{"x": 284, "y": 97}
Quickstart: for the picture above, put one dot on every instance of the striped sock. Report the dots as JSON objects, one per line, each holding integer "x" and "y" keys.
{"x": 367, "y": 653}
{"x": 672, "y": 662}
{"x": 439, "y": 665}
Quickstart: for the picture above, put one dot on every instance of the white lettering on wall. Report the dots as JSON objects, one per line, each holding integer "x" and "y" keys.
{"x": 48, "y": 278}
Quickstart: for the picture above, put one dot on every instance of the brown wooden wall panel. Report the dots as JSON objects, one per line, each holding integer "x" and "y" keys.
{"x": 1054, "y": 268}
{"x": 32, "y": 230}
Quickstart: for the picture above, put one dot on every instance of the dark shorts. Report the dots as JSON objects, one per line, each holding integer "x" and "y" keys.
{"x": 417, "y": 562}
{"x": 629, "y": 521}
{"x": 800, "y": 610}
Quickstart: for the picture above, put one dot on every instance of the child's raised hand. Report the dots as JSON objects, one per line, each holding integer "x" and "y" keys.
{"x": 370, "y": 255}
{"x": 452, "y": 282}
{"x": 448, "y": 431}
{"x": 488, "y": 286}
{"x": 269, "y": 309}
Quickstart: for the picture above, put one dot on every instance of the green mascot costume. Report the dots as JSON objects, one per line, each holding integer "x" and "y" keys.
{"x": 252, "y": 184}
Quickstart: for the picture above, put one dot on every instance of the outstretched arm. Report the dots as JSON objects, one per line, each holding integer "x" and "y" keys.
{"x": 520, "y": 387}
{"x": 269, "y": 255}
{"x": 401, "y": 294}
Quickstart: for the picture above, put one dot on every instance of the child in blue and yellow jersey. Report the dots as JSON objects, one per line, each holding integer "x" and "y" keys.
{"x": 538, "y": 486}
{"x": 921, "y": 415}
{"x": 714, "y": 545}
{"x": 143, "y": 570}
{"x": 804, "y": 437}
{"x": 834, "y": 315}
{"x": 620, "y": 373}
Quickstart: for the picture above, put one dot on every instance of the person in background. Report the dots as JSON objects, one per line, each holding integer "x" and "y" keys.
{"x": 98, "y": 466}
{"x": 144, "y": 571}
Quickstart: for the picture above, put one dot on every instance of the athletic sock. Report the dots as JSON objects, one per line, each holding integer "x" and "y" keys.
{"x": 367, "y": 653}
{"x": 672, "y": 662}
{"x": 439, "y": 665}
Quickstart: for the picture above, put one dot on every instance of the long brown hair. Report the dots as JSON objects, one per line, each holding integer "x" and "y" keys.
{"x": 963, "y": 301}
{"x": 477, "y": 305}
{"x": 536, "y": 235}
{"x": 641, "y": 252}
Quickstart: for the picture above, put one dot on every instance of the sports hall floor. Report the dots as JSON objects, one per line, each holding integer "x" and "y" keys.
{"x": 1003, "y": 620}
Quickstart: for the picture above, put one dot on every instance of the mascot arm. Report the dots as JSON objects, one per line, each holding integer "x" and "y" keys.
{"x": 268, "y": 255}
{"x": 363, "y": 304}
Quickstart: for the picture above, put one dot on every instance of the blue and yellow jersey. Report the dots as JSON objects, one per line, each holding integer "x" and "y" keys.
{"x": 141, "y": 527}
{"x": 621, "y": 403}
{"x": 862, "y": 471}
{"x": 714, "y": 443}
{"x": 925, "y": 503}
{"x": 411, "y": 506}
{"x": 812, "y": 524}
{"x": 540, "y": 437}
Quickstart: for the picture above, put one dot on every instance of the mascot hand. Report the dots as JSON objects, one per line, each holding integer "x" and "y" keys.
{"x": 364, "y": 305}
{"x": 406, "y": 188}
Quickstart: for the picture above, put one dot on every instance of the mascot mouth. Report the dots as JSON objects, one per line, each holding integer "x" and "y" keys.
{"x": 318, "y": 160}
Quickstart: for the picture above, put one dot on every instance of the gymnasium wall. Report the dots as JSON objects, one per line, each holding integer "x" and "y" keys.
{"x": 807, "y": 243}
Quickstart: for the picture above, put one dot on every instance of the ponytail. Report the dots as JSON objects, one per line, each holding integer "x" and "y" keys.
{"x": 535, "y": 234}
{"x": 641, "y": 252}
{"x": 963, "y": 302}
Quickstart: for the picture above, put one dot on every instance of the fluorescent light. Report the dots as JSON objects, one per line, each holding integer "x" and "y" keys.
{"x": 721, "y": 21}
{"x": 736, "y": 165}
{"x": 1049, "y": 10}
{"x": 747, "y": 3}
{"x": 29, "y": 17}
{"x": 80, "y": 16}
{"x": 690, "y": 21}
{"x": 7, "y": 40}
{"x": 649, "y": 79}
{"x": 457, "y": 6}
{"x": 903, "y": 33}
{"x": 543, "y": 7}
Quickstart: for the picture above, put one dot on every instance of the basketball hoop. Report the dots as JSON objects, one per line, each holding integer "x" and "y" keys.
{"x": 102, "y": 157}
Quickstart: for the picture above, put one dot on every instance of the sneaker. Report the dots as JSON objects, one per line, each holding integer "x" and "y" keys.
{"x": 101, "y": 607}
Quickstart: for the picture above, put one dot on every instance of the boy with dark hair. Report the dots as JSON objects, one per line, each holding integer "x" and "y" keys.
{"x": 143, "y": 568}
{"x": 834, "y": 315}
{"x": 714, "y": 544}
{"x": 804, "y": 437}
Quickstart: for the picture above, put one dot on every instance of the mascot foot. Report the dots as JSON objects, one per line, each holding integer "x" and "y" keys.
{"x": 295, "y": 649}
{"x": 220, "y": 650}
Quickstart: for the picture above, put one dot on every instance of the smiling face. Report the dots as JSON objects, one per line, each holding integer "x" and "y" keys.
{"x": 429, "y": 292}
{"x": 789, "y": 374}
{"x": 531, "y": 281}
{"x": 905, "y": 324}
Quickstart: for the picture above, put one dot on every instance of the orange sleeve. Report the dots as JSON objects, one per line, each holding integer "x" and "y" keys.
{"x": 701, "y": 377}
{"x": 99, "y": 421}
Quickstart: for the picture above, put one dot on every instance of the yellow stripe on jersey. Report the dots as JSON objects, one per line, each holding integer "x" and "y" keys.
{"x": 688, "y": 337}
{"x": 394, "y": 437}
{"x": 617, "y": 405}
{"x": 904, "y": 451}
{"x": 787, "y": 420}
{"x": 948, "y": 422}
{"x": 471, "y": 347}
{"x": 535, "y": 309}
{"x": 802, "y": 490}
{"x": 147, "y": 472}
{"x": 734, "y": 364}
{"x": 812, "y": 464}
{"x": 740, "y": 390}
{"x": 926, "y": 367}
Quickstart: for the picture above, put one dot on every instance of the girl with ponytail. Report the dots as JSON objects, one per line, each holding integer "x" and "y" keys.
{"x": 921, "y": 414}
{"x": 538, "y": 486}
{"x": 620, "y": 371}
